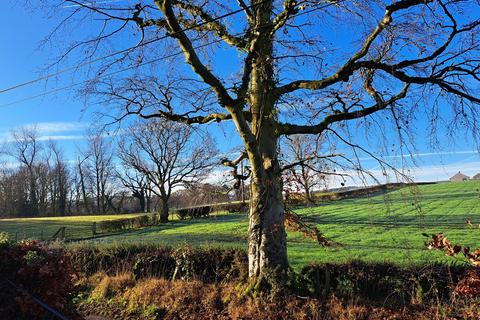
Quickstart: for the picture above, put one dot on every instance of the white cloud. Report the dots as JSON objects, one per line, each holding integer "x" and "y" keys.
{"x": 61, "y": 137}
{"x": 424, "y": 154}
{"x": 92, "y": 3}
{"x": 443, "y": 172}
{"x": 45, "y": 128}
{"x": 50, "y": 131}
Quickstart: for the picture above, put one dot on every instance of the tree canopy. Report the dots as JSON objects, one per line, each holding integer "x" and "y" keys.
{"x": 275, "y": 68}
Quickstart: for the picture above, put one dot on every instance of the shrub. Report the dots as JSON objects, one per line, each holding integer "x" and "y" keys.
{"x": 378, "y": 281}
{"x": 159, "y": 264}
{"x": 5, "y": 240}
{"x": 209, "y": 265}
{"x": 118, "y": 225}
{"x": 110, "y": 286}
{"x": 154, "y": 219}
{"x": 141, "y": 221}
{"x": 111, "y": 225}
{"x": 38, "y": 270}
{"x": 235, "y": 207}
{"x": 194, "y": 212}
{"x": 295, "y": 199}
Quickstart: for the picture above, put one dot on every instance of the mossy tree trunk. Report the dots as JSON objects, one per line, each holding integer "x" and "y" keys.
{"x": 267, "y": 249}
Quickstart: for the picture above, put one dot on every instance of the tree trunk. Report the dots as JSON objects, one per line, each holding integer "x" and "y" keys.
{"x": 33, "y": 196}
{"x": 141, "y": 199}
{"x": 148, "y": 201}
{"x": 163, "y": 212}
{"x": 267, "y": 249}
{"x": 309, "y": 197}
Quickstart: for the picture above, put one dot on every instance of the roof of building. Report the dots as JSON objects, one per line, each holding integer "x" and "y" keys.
{"x": 477, "y": 176}
{"x": 459, "y": 176}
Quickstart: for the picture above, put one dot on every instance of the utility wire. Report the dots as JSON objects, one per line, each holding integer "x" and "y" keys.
{"x": 123, "y": 69}
{"x": 71, "y": 68}
{"x": 105, "y": 75}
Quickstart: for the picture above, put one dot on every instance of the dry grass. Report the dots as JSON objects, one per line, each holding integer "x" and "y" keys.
{"x": 120, "y": 298}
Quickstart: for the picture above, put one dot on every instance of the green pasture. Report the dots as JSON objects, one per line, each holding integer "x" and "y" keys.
{"x": 382, "y": 228}
{"x": 36, "y": 228}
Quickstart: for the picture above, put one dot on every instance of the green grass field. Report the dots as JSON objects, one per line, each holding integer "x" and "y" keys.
{"x": 36, "y": 228}
{"x": 384, "y": 228}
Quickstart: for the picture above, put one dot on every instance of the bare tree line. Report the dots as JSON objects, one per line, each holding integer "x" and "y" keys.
{"x": 138, "y": 172}
{"x": 152, "y": 166}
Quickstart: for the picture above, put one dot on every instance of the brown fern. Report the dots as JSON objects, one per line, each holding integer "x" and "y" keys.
{"x": 293, "y": 222}
{"x": 439, "y": 241}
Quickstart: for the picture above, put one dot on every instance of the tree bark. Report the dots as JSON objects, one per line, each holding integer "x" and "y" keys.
{"x": 148, "y": 202}
{"x": 140, "y": 195}
{"x": 141, "y": 198}
{"x": 267, "y": 249}
{"x": 33, "y": 195}
{"x": 163, "y": 212}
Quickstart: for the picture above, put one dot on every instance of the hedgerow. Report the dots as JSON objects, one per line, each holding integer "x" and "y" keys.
{"x": 118, "y": 225}
{"x": 31, "y": 270}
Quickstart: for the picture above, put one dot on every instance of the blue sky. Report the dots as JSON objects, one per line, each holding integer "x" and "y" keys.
{"x": 60, "y": 116}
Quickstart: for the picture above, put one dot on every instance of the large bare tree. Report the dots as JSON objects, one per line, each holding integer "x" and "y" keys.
{"x": 294, "y": 67}
{"x": 167, "y": 155}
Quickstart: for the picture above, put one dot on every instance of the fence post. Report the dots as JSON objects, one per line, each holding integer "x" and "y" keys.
{"x": 94, "y": 229}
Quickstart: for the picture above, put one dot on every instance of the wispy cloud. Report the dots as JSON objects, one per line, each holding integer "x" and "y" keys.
{"x": 61, "y": 137}
{"x": 50, "y": 131}
{"x": 91, "y": 3}
{"x": 44, "y": 128}
{"x": 424, "y": 154}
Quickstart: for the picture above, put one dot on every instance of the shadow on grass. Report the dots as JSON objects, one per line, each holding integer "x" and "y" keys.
{"x": 398, "y": 198}
{"x": 457, "y": 221}
{"x": 156, "y": 233}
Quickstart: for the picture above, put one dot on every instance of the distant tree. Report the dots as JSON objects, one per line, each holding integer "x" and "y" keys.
{"x": 82, "y": 200}
{"x": 138, "y": 183}
{"x": 60, "y": 183}
{"x": 26, "y": 149}
{"x": 100, "y": 170}
{"x": 11, "y": 191}
{"x": 167, "y": 155}
{"x": 197, "y": 194}
{"x": 307, "y": 168}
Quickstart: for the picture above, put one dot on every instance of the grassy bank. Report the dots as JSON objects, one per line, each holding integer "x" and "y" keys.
{"x": 384, "y": 228}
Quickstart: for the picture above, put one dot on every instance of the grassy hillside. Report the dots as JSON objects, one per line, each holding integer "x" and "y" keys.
{"x": 381, "y": 228}
{"x": 35, "y": 228}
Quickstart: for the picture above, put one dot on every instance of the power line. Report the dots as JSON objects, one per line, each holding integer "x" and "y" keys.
{"x": 121, "y": 70}
{"x": 104, "y": 75}
{"x": 125, "y": 50}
